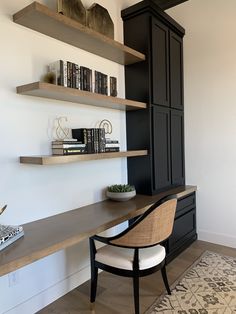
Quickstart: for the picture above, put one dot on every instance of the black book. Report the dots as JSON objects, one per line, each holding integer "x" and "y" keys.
{"x": 101, "y": 140}
{"x": 113, "y": 86}
{"x": 68, "y": 151}
{"x": 112, "y": 149}
{"x": 69, "y": 74}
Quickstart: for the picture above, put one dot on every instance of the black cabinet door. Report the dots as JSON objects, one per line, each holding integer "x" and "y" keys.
{"x": 184, "y": 229}
{"x": 176, "y": 71}
{"x": 161, "y": 148}
{"x": 177, "y": 148}
{"x": 160, "y": 64}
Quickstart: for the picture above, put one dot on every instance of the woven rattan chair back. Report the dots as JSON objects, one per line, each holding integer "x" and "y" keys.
{"x": 154, "y": 228}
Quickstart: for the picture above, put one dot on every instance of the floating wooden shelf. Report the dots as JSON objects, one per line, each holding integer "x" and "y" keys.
{"x": 51, "y": 91}
{"x": 54, "y": 160}
{"x": 41, "y": 19}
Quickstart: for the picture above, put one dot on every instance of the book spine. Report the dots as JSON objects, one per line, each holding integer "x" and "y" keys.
{"x": 68, "y": 146}
{"x": 96, "y": 82}
{"x": 68, "y": 151}
{"x": 73, "y": 76}
{"x": 64, "y": 74}
{"x": 99, "y": 82}
{"x": 77, "y": 81}
{"x": 102, "y": 140}
{"x": 69, "y": 81}
{"x": 105, "y": 85}
{"x": 89, "y": 141}
{"x": 113, "y": 86}
{"x": 111, "y": 150}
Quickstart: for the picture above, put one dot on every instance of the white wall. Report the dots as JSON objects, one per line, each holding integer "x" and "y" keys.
{"x": 210, "y": 113}
{"x": 34, "y": 192}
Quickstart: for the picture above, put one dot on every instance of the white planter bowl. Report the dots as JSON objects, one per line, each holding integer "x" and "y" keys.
{"x": 122, "y": 196}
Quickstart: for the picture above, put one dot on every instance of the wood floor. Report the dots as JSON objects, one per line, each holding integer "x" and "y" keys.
{"x": 115, "y": 294}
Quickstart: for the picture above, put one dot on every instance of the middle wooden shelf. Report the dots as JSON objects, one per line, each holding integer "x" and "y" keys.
{"x": 46, "y": 90}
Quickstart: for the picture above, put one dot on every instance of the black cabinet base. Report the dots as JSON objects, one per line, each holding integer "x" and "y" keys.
{"x": 180, "y": 249}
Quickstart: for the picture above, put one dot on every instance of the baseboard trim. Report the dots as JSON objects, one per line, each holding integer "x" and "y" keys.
{"x": 217, "y": 238}
{"x": 44, "y": 298}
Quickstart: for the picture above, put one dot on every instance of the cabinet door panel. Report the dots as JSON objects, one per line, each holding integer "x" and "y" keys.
{"x": 161, "y": 147}
{"x": 176, "y": 71}
{"x": 184, "y": 229}
{"x": 160, "y": 64}
{"x": 177, "y": 147}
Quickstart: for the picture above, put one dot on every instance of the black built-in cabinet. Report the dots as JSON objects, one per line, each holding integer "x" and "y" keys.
{"x": 159, "y": 82}
{"x": 160, "y": 128}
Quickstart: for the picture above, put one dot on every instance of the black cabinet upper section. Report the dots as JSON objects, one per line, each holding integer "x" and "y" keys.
{"x": 159, "y": 82}
{"x": 150, "y": 30}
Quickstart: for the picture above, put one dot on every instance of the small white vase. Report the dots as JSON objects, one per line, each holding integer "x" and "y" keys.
{"x": 121, "y": 196}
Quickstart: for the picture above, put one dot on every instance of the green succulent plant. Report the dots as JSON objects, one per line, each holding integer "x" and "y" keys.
{"x": 119, "y": 188}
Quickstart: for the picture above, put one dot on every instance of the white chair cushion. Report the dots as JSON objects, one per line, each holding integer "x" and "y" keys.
{"x": 123, "y": 257}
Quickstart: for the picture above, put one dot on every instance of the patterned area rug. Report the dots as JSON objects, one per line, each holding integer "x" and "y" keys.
{"x": 207, "y": 287}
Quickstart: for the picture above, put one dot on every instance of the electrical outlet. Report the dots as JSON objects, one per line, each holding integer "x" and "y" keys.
{"x": 13, "y": 278}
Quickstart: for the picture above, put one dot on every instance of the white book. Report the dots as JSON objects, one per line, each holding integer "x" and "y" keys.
{"x": 9, "y": 234}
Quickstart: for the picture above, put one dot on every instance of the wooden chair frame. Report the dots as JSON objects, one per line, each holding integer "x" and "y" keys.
{"x": 135, "y": 273}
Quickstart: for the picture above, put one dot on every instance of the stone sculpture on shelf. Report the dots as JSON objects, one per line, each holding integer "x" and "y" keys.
{"x": 73, "y": 9}
{"x": 96, "y": 17}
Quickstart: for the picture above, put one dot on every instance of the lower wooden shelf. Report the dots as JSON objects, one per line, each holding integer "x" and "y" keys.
{"x": 65, "y": 159}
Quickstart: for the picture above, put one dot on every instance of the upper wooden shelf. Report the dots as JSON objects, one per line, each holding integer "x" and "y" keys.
{"x": 51, "y": 91}
{"x": 65, "y": 159}
{"x": 41, "y": 19}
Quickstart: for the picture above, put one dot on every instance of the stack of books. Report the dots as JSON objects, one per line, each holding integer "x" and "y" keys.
{"x": 68, "y": 147}
{"x": 93, "y": 139}
{"x": 69, "y": 74}
{"x": 112, "y": 145}
{"x": 9, "y": 234}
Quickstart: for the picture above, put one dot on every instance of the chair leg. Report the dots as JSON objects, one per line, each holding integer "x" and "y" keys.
{"x": 164, "y": 277}
{"x": 136, "y": 293}
{"x": 94, "y": 279}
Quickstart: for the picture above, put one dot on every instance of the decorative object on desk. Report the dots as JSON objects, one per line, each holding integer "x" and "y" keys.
{"x": 121, "y": 192}
{"x": 73, "y": 9}
{"x": 9, "y": 234}
{"x": 208, "y": 286}
{"x": 2, "y": 209}
{"x": 113, "y": 86}
{"x": 50, "y": 78}
{"x": 98, "y": 19}
{"x": 62, "y": 132}
{"x": 106, "y": 124}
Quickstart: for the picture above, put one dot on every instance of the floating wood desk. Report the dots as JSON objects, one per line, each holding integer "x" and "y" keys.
{"x": 47, "y": 236}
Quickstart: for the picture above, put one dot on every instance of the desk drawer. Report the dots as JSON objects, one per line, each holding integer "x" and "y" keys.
{"x": 185, "y": 204}
{"x": 184, "y": 228}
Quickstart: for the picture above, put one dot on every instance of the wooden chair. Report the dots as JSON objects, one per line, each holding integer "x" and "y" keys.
{"x": 136, "y": 252}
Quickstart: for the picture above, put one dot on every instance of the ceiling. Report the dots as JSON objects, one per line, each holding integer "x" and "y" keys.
{"x": 166, "y": 4}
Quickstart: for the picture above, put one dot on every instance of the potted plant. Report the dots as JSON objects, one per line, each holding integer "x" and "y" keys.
{"x": 121, "y": 192}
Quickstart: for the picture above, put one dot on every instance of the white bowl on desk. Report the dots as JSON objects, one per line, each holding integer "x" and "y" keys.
{"x": 121, "y": 196}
